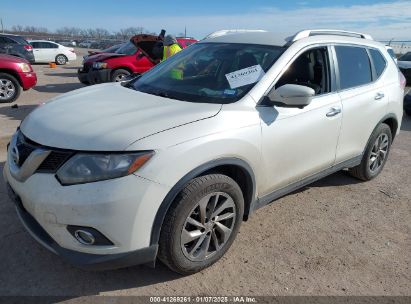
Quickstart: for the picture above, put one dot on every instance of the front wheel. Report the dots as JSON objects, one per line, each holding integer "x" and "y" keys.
{"x": 376, "y": 154}
{"x": 9, "y": 88}
{"x": 119, "y": 75}
{"x": 201, "y": 224}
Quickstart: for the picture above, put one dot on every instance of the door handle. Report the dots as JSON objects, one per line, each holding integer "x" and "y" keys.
{"x": 333, "y": 112}
{"x": 379, "y": 96}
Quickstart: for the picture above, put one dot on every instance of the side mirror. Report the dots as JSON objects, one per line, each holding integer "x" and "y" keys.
{"x": 291, "y": 95}
{"x": 140, "y": 55}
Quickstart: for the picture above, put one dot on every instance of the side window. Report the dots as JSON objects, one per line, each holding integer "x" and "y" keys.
{"x": 47, "y": 45}
{"x": 378, "y": 61}
{"x": 6, "y": 40}
{"x": 311, "y": 69}
{"x": 36, "y": 45}
{"x": 391, "y": 52}
{"x": 353, "y": 65}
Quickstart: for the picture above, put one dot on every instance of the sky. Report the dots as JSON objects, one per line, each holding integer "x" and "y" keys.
{"x": 382, "y": 19}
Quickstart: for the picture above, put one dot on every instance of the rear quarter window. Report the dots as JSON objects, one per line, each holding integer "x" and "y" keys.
{"x": 354, "y": 66}
{"x": 378, "y": 61}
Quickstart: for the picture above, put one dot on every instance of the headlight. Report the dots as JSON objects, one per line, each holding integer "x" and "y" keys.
{"x": 99, "y": 65}
{"x": 25, "y": 68}
{"x": 86, "y": 168}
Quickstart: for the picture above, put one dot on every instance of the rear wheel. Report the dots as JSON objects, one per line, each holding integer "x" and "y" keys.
{"x": 201, "y": 224}
{"x": 375, "y": 155}
{"x": 9, "y": 88}
{"x": 61, "y": 59}
{"x": 119, "y": 75}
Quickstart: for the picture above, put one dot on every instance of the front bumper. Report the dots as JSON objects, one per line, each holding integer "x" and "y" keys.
{"x": 122, "y": 209}
{"x": 83, "y": 260}
{"x": 94, "y": 76}
{"x": 28, "y": 80}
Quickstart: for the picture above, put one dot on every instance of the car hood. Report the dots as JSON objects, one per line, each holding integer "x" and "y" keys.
{"x": 404, "y": 64}
{"x": 108, "y": 117}
{"x": 102, "y": 56}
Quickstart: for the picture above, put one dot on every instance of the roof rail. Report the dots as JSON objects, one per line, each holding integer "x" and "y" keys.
{"x": 234, "y": 31}
{"x": 307, "y": 33}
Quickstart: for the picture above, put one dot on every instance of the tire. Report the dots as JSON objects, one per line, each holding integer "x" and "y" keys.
{"x": 177, "y": 248}
{"x": 9, "y": 88}
{"x": 61, "y": 59}
{"x": 119, "y": 74}
{"x": 375, "y": 155}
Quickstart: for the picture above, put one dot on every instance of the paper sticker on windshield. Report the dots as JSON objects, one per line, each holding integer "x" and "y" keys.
{"x": 245, "y": 76}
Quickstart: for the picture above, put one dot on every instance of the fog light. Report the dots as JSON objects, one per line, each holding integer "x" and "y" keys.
{"x": 89, "y": 236}
{"x": 84, "y": 237}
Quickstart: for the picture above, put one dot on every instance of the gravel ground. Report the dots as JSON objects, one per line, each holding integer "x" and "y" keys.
{"x": 337, "y": 236}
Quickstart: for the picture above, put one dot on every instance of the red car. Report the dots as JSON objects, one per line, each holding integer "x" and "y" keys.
{"x": 15, "y": 74}
{"x": 133, "y": 57}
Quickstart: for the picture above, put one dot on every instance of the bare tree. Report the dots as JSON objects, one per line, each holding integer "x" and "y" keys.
{"x": 130, "y": 31}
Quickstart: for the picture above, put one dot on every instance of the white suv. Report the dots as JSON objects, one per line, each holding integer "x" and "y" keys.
{"x": 169, "y": 164}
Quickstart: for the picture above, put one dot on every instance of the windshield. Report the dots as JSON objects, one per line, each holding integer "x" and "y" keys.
{"x": 406, "y": 57}
{"x": 127, "y": 49}
{"x": 210, "y": 72}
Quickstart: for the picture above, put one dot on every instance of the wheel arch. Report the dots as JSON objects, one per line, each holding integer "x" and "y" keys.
{"x": 122, "y": 68}
{"x": 392, "y": 122}
{"x": 239, "y": 170}
{"x": 61, "y": 54}
{"x": 12, "y": 73}
{"x": 389, "y": 119}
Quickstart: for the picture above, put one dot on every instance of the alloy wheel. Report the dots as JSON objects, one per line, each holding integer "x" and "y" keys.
{"x": 378, "y": 153}
{"x": 208, "y": 226}
{"x": 120, "y": 77}
{"x": 7, "y": 89}
{"x": 61, "y": 60}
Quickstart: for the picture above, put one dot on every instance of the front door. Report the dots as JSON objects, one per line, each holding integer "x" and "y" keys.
{"x": 298, "y": 143}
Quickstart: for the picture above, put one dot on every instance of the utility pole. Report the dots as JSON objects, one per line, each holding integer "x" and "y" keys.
{"x": 185, "y": 31}
{"x": 2, "y": 27}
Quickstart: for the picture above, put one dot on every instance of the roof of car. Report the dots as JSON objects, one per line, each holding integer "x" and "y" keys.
{"x": 35, "y": 40}
{"x": 276, "y": 39}
{"x": 6, "y": 34}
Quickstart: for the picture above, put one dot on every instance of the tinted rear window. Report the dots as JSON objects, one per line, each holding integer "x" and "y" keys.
{"x": 19, "y": 39}
{"x": 378, "y": 61}
{"x": 354, "y": 66}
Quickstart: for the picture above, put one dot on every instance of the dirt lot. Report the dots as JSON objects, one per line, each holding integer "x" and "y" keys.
{"x": 338, "y": 236}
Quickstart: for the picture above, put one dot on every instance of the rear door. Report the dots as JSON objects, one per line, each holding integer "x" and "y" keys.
{"x": 38, "y": 52}
{"x": 50, "y": 51}
{"x": 362, "y": 94}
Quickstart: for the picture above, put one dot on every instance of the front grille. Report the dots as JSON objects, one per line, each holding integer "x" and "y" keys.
{"x": 54, "y": 161}
{"x": 24, "y": 147}
{"x": 87, "y": 67}
{"x": 51, "y": 164}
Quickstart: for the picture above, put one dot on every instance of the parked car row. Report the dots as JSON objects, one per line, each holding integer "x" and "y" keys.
{"x": 133, "y": 57}
{"x": 36, "y": 51}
